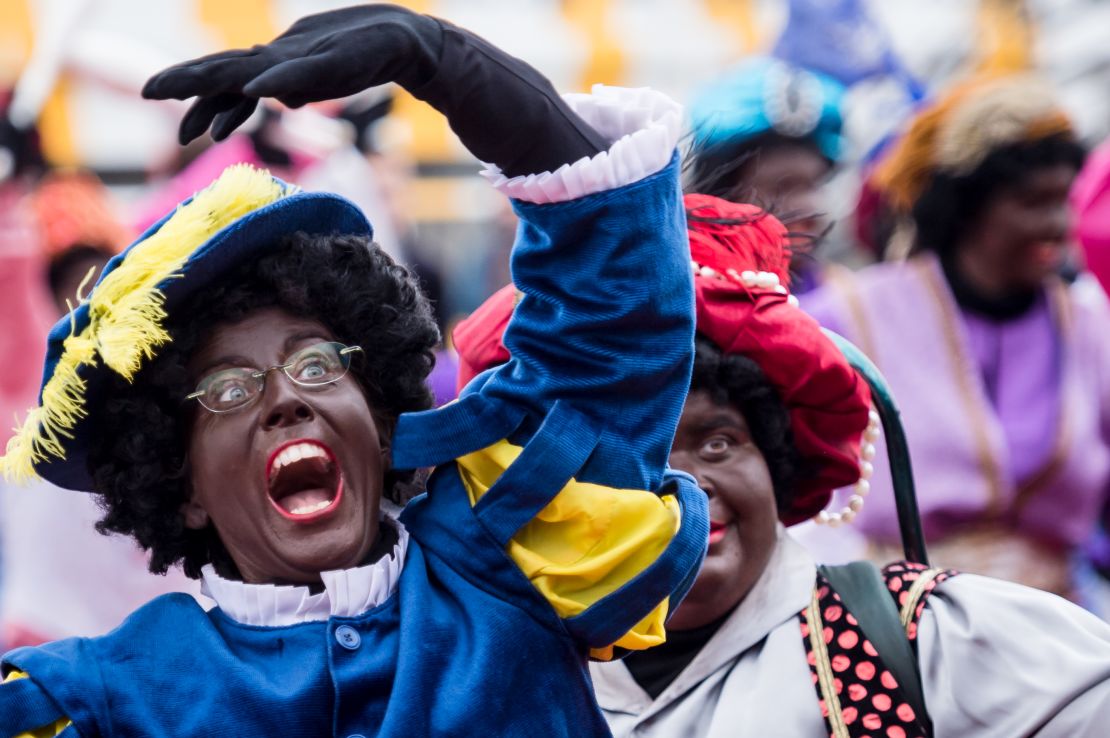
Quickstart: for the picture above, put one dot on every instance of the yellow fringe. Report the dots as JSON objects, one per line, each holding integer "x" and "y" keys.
{"x": 127, "y": 312}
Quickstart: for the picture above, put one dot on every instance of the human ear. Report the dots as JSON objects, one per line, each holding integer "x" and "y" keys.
{"x": 385, "y": 440}
{"x": 196, "y": 517}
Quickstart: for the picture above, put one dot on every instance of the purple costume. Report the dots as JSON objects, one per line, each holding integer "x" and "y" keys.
{"x": 1007, "y": 421}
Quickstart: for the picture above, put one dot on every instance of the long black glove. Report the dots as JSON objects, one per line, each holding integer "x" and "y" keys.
{"x": 503, "y": 110}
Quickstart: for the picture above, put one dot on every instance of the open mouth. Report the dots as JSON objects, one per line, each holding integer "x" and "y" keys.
{"x": 303, "y": 480}
{"x": 1048, "y": 254}
{"x": 716, "y": 531}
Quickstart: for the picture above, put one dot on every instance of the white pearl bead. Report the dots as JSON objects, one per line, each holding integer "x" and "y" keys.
{"x": 866, "y": 470}
{"x": 847, "y": 516}
{"x": 863, "y": 487}
{"x": 791, "y": 300}
{"x": 766, "y": 280}
{"x": 871, "y": 434}
{"x": 867, "y": 451}
{"x": 821, "y": 518}
{"x": 834, "y": 521}
{"x": 855, "y": 503}
{"x": 708, "y": 272}
{"x": 747, "y": 276}
{"x": 874, "y": 419}
{"x": 780, "y": 289}
{"x": 734, "y": 274}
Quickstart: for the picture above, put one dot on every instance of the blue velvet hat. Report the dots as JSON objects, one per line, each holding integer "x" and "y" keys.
{"x": 764, "y": 94}
{"x": 120, "y": 324}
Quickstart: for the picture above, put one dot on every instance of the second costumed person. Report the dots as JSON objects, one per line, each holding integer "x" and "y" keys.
{"x": 765, "y": 644}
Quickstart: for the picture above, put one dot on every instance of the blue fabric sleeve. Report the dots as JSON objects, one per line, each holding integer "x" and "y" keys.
{"x": 605, "y": 323}
{"x": 24, "y": 707}
{"x": 601, "y": 345}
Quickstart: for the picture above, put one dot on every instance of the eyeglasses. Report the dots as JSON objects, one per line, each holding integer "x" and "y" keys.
{"x": 314, "y": 366}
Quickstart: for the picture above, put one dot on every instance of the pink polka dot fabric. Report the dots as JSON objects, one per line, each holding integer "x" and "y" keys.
{"x": 871, "y": 702}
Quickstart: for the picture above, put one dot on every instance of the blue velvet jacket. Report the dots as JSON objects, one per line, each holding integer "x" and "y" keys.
{"x": 601, "y": 345}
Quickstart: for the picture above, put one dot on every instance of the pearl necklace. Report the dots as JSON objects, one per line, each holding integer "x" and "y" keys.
{"x": 861, "y": 488}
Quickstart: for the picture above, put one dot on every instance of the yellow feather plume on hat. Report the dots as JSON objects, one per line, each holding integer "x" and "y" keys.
{"x": 127, "y": 313}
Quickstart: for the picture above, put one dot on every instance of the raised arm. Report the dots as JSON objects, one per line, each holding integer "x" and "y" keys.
{"x": 503, "y": 110}
{"x": 561, "y": 453}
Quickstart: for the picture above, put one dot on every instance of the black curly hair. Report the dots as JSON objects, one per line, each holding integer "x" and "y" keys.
{"x": 138, "y": 459}
{"x": 951, "y": 204}
{"x": 734, "y": 379}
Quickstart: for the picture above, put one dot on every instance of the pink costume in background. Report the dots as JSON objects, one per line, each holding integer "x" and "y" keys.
{"x": 59, "y": 577}
{"x": 1006, "y": 420}
{"x": 25, "y": 309}
{"x": 1090, "y": 200}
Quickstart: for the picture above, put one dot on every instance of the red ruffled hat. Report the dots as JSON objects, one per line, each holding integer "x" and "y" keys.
{"x": 740, "y": 259}
{"x": 74, "y": 207}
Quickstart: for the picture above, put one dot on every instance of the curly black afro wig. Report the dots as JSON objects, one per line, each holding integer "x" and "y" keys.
{"x": 138, "y": 457}
{"x": 734, "y": 379}
{"x": 951, "y": 204}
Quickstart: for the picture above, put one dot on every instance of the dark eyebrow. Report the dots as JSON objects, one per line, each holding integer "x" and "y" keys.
{"x": 301, "y": 336}
{"x": 229, "y": 362}
{"x": 236, "y": 361}
{"x": 719, "y": 421}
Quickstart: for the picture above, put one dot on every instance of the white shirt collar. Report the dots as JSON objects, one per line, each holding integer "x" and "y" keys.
{"x": 347, "y": 592}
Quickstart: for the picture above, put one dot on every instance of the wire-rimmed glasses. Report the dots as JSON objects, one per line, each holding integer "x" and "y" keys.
{"x": 314, "y": 366}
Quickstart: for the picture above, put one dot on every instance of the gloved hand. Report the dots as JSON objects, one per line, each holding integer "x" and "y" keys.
{"x": 503, "y": 110}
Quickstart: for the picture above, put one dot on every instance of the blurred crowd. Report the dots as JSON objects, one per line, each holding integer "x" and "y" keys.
{"x": 948, "y": 200}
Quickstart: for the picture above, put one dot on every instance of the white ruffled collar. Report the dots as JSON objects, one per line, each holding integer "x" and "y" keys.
{"x": 347, "y": 592}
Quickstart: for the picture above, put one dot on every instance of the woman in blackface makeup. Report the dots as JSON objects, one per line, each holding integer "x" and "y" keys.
{"x": 1001, "y": 366}
{"x": 767, "y": 644}
{"x": 244, "y": 390}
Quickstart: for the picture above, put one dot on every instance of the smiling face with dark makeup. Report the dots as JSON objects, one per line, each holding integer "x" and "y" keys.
{"x": 292, "y": 481}
{"x": 1021, "y": 237}
{"x": 714, "y": 444}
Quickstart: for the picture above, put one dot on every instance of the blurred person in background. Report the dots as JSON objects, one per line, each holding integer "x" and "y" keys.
{"x": 770, "y": 132}
{"x": 53, "y": 561}
{"x": 775, "y": 420}
{"x": 54, "y": 228}
{"x": 21, "y": 166}
{"x": 1001, "y": 367}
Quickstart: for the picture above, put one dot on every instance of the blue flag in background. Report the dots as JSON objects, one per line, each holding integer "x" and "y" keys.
{"x": 840, "y": 39}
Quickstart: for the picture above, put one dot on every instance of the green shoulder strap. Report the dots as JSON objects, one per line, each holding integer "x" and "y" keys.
{"x": 864, "y": 593}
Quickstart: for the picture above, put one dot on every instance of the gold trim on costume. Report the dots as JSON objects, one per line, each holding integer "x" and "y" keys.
{"x": 965, "y": 370}
{"x": 917, "y": 589}
{"x": 1034, "y": 483}
{"x": 824, "y": 667}
{"x": 1057, "y": 294}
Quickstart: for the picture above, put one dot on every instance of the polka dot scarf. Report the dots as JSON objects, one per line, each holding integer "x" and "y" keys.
{"x": 858, "y": 696}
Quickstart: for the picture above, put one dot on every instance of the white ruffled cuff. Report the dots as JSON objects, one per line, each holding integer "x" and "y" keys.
{"x": 643, "y": 123}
